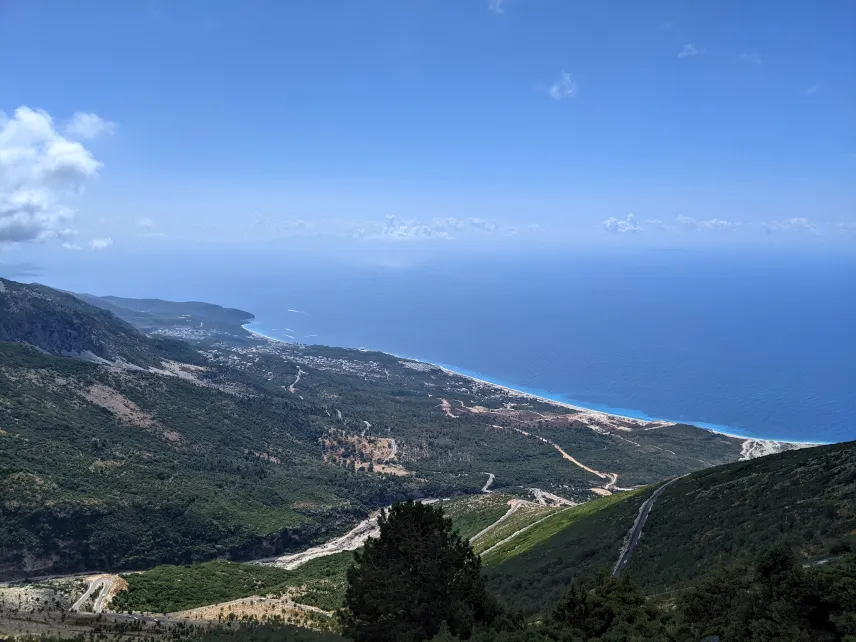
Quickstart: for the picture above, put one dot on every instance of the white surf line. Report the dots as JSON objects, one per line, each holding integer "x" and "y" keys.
{"x": 522, "y": 530}
{"x": 490, "y": 478}
{"x": 296, "y": 381}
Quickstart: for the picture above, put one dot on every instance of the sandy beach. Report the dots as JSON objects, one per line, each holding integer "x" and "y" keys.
{"x": 609, "y": 415}
{"x": 750, "y": 443}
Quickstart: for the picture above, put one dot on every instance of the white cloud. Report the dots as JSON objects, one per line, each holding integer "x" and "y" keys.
{"x": 564, "y": 87}
{"x": 812, "y": 90}
{"x": 665, "y": 26}
{"x": 39, "y": 170}
{"x": 689, "y": 51}
{"x": 496, "y": 6}
{"x": 291, "y": 227}
{"x": 751, "y": 58}
{"x": 148, "y": 229}
{"x": 84, "y": 126}
{"x": 71, "y": 246}
{"x": 656, "y": 224}
{"x": 394, "y": 228}
{"x": 846, "y": 228}
{"x": 713, "y": 224}
{"x": 620, "y": 226}
{"x": 101, "y": 243}
{"x": 790, "y": 225}
{"x": 447, "y": 228}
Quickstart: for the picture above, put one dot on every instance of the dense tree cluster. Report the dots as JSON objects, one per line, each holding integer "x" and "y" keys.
{"x": 415, "y": 576}
{"x": 418, "y": 582}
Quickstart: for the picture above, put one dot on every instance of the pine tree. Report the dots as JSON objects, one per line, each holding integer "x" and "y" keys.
{"x": 416, "y": 575}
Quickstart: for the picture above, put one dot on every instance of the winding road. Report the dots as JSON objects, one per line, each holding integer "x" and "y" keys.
{"x": 105, "y": 584}
{"x": 393, "y": 450}
{"x": 300, "y": 373}
{"x": 636, "y": 530}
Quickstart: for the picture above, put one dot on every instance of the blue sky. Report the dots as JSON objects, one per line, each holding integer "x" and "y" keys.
{"x": 153, "y": 123}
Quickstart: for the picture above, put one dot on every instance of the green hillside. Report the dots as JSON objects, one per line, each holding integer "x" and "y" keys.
{"x": 532, "y": 572}
{"x": 106, "y": 469}
{"x": 61, "y": 324}
{"x": 155, "y": 314}
{"x": 804, "y": 498}
{"x": 173, "y": 454}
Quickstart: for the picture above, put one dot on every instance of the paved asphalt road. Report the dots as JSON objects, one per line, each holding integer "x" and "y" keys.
{"x": 636, "y": 531}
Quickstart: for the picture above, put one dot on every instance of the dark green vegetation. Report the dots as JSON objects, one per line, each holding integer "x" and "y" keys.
{"x": 531, "y": 574}
{"x": 103, "y": 470}
{"x": 150, "y": 315}
{"x": 778, "y": 599}
{"x": 804, "y": 498}
{"x": 402, "y": 594}
{"x": 415, "y": 576}
{"x": 559, "y": 523}
{"x": 126, "y": 467}
{"x": 473, "y": 513}
{"x": 166, "y": 589}
{"x": 59, "y": 323}
{"x": 263, "y": 633}
{"x": 233, "y": 632}
{"x": 775, "y": 600}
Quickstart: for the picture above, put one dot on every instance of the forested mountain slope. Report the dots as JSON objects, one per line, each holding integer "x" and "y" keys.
{"x": 804, "y": 499}
{"x": 103, "y": 468}
{"x": 61, "y": 324}
{"x": 151, "y": 315}
{"x": 156, "y": 450}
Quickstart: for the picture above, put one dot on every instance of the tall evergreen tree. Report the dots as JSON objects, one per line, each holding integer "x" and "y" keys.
{"x": 415, "y": 576}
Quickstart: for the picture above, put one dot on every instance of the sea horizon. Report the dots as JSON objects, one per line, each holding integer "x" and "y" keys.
{"x": 757, "y": 345}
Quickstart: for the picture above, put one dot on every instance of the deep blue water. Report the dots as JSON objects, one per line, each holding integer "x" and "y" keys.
{"x": 755, "y": 342}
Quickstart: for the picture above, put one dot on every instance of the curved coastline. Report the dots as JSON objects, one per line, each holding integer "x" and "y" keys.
{"x": 622, "y": 413}
{"x": 557, "y": 398}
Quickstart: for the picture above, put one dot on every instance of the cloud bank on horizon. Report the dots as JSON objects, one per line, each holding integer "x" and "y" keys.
{"x": 529, "y": 123}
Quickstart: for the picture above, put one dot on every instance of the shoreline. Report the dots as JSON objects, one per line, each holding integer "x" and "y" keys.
{"x": 544, "y": 397}
{"x": 565, "y": 404}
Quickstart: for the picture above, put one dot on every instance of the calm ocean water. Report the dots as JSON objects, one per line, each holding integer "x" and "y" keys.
{"x": 758, "y": 343}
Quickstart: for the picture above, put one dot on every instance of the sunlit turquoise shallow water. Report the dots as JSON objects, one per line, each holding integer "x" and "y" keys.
{"x": 756, "y": 343}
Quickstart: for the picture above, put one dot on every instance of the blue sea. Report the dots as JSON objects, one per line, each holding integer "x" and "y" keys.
{"x": 755, "y": 342}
